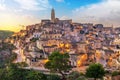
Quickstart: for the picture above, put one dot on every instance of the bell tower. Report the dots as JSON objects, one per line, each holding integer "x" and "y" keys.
{"x": 53, "y": 15}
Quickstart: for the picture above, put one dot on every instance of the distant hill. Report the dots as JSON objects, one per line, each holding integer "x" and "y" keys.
{"x": 4, "y": 34}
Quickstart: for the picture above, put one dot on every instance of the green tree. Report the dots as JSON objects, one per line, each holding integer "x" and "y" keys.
{"x": 36, "y": 75}
{"x": 34, "y": 39}
{"x": 15, "y": 73}
{"x": 22, "y": 64}
{"x": 12, "y": 57}
{"x": 76, "y": 76}
{"x": 73, "y": 75}
{"x": 58, "y": 62}
{"x": 81, "y": 78}
{"x": 53, "y": 77}
{"x": 3, "y": 74}
{"x": 95, "y": 71}
{"x": 115, "y": 73}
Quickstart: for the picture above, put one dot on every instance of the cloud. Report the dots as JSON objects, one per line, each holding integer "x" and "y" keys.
{"x": 60, "y": 0}
{"x": 34, "y": 4}
{"x": 64, "y": 18}
{"x": 13, "y": 19}
{"x": 106, "y": 12}
{"x": 22, "y": 12}
{"x": 2, "y": 5}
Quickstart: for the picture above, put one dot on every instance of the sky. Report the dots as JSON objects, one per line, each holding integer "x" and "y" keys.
{"x": 16, "y": 13}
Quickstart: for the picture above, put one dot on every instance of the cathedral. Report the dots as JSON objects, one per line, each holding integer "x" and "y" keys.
{"x": 54, "y": 19}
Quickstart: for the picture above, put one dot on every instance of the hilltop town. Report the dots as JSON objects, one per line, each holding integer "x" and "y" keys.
{"x": 86, "y": 43}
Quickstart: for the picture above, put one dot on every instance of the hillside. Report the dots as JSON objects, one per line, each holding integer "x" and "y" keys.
{"x": 4, "y": 34}
{"x": 6, "y": 54}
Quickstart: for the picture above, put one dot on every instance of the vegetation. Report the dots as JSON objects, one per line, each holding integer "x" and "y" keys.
{"x": 95, "y": 71}
{"x": 115, "y": 73}
{"x": 76, "y": 76}
{"x": 73, "y": 75}
{"x": 6, "y": 46}
{"x": 5, "y": 34}
{"x": 81, "y": 78}
{"x": 6, "y": 54}
{"x": 35, "y": 75}
{"x": 22, "y": 64}
{"x": 10, "y": 71}
{"x": 13, "y": 72}
{"x": 58, "y": 62}
{"x": 53, "y": 77}
{"x": 12, "y": 57}
{"x": 34, "y": 39}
